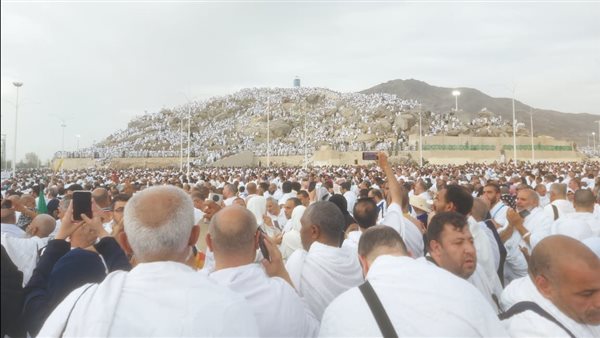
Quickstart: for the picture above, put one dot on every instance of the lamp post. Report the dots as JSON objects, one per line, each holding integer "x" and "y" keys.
{"x": 531, "y": 125}
{"x": 514, "y": 128}
{"x": 598, "y": 129}
{"x": 63, "y": 126}
{"x": 594, "y": 138}
{"x": 420, "y": 138}
{"x": 188, "y": 137}
{"x": 180, "y": 145}
{"x": 305, "y": 148}
{"x": 78, "y": 137}
{"x": 456, "y": 94}
{"x": 14, "y": 164}
{"x": 268, "y": 133}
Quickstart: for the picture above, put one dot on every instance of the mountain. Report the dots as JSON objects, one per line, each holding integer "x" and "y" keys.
{"x": 565, "y": 126}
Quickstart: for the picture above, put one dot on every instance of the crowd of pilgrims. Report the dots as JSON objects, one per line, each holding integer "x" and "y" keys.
{"x": 220, "y": 126}
{"x": 502, "y": 249}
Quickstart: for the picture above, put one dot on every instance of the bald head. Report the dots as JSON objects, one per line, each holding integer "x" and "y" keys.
{"x": 251, "y": 188}
{"x": 380, "y": 240}
{"x": 584, "y": 200}
{"x": 28, "y": 201}
{"x": 232, "y": 231}
{"x": 480, "y": 209}
{"x": 101, "y": 197}
{"x": 558, "y": 191}
{"x": 41, "y": 226}
{"x": 566, "y": 272}
{"x": 159, "y": 222}
{"x": 553, "y": 253}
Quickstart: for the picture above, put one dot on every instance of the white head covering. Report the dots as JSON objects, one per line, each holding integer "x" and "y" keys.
{"x": 296, "y": 215}
{"x": 258, "y": 206}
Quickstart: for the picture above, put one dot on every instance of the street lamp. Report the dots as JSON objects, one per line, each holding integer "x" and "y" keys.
{"x": 531, "y": 125}
{"x": 188, "y": 143}
{"x": 514, "y": 123}
{"x": 594, "y": 138}
{"x": 420, "y": 139}
{"x": 63, "y": 125}
{"x": 456, "y": 94}
{"x": 78, "y": 137}
{"x": 180, "y": 144}
{"x": 268, "y": 133}
{"x": 14, "y": 164}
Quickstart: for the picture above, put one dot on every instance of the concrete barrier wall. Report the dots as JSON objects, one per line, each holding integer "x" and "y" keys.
{"x": 437, "y": 150}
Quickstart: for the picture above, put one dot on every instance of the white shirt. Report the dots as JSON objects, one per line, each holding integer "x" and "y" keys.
{"x": 498, "y": 213}
{"x": 278, "y": 309}
{"x": 577, "y": 225}
{"x": 351, "y": 242}
{"x": 322, "y": 273}
{"x": 24, "y": 253}
{"x": 286, "y": 197}
{"x": 563, "y": 206}
{"x": 413, "y": 238}
{"x": 229, "y": 201}
{"x": 12, "y": 230}
{"x": 544, "y": 200}
{"x": 420, "y": 300}
{"x": 350, "y": 197}
{"x": 198, "y": 216}
{"x": 153, "y": 300}
{"x": 530, "y": 324}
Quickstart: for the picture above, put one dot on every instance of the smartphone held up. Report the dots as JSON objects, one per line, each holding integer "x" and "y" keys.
{"x": 369, "y": 156}
{"x": 82, "y": 204}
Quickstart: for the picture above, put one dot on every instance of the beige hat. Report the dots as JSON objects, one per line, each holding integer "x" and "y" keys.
{"x": 419, "y": 203}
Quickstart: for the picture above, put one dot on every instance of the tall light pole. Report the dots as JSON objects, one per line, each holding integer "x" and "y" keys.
{"x": 531, "y": 125}
{"x": 14, "y": 164}
{"x": 456, "y": 94}
{"x": 268, "y": 133}
{"x": 420, "y": 138}
{"x": 78, "y": 137}
{"x": 180, "y": 144}
{"x": 63, "y": 125}
{"x": 4, "y": 151}
{"x": 305, "y": 145}
{"x": 514, "y": 128}
{"x": 189, "y": 135}
{"x": 594, "y": 138}
{"x": 598, "y": 129}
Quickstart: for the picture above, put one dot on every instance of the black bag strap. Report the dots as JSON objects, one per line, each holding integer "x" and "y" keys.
{"x": 62, "y": 332}
{"x": 555, "y": 211}
{"x": 383, "y": 321}
{"x": 524, "y": 306}
{"x": 501, "y": 249}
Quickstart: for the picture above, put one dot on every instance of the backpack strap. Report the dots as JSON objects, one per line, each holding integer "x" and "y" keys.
{"x": 382, "y": 318}
{"x": 524, "y": 306}
{"x": 555, "y": 211}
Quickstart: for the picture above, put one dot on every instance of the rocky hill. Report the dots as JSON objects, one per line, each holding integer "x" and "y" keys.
{"x": 565, "y": 126}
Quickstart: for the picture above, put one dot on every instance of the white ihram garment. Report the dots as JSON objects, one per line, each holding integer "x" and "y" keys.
{"x": 323, "y": 273}
{"x": 157, "y": 299}
{"x": 24, "y": 252}
{"x": 278, "y": 309}
{"x": 530, "y": 324}
{"x": 420, "y": 299}
{"x": 413, "y": 238}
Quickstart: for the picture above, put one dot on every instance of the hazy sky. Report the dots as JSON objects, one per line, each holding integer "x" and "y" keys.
{"x": 98, "y": 64}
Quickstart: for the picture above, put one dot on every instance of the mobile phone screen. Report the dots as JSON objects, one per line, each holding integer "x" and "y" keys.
{"x": 262, "y": 246}
{"x": 369, "y": 156}
{"x": 82, "y": 204}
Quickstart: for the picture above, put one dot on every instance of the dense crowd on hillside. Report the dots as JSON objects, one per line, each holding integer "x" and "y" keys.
{"x": 227, "y": 125}
{"x": 282, "y": 251}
